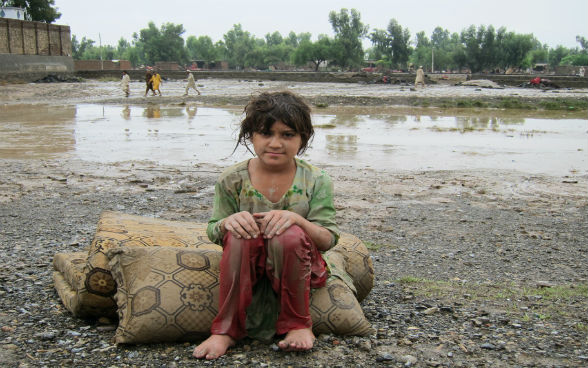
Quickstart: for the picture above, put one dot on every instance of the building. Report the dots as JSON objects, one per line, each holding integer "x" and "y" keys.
{"x": 10, "y": 12}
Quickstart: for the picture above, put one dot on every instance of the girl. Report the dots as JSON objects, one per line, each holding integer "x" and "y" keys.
{"x": 273, "y": 215}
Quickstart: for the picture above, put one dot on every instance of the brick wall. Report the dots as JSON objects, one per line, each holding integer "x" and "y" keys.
{"x": 21, "y": 37}
{"x": 87, "y": 65}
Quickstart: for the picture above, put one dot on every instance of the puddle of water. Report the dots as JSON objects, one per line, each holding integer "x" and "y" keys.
{"x": 359, "y": 138}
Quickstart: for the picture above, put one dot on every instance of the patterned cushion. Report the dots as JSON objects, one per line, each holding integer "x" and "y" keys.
{"x": 154, "y": 257}
{"x": 357, "y": 262}
{"x": 69, "y": 280}
{"x": 117, "y": 229}
{"x": 334, "y": 309}
{"x": 164, "y": 293}
{"x": 171, "y": 294}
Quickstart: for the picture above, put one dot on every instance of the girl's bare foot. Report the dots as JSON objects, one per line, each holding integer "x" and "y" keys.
{"x": 213, "y": 347}
{"x": 297, "y": 340}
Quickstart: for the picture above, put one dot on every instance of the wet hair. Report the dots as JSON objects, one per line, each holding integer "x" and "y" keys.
{"x": 264, "y": 110}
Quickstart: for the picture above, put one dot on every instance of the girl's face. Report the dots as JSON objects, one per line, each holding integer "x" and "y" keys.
{"x": 278, "y": 147}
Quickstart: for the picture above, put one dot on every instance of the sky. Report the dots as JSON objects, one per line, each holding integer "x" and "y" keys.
{"x": 553, "y": 22}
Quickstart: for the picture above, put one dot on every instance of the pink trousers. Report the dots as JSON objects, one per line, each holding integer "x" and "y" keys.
{"x": 291, "y": 262}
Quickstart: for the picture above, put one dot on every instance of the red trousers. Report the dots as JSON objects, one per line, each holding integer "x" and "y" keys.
{"x": 291, "y": 262}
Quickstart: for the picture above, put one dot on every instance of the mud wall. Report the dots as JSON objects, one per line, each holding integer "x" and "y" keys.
{"x": 34, "y": 38}
{"x": 87, "y": 65}
{"x": 32, "y": 50}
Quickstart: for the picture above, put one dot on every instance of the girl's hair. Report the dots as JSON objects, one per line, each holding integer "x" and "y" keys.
{"x": 264, "y": 110}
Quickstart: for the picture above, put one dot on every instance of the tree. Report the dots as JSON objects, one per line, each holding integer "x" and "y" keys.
{"x": 314, "y": 52}
{"x": 240, "y": 46}
{"x": 36, "y": 10}
{"x": 393, "y": 43}
{"x": 201, "y": 48}
{"x": 421, "y": 54}
{"x": 166, "y": 44}
{"x": 349, "y": 31}
{"x": 79, "y": 48}
{"x": 583, "y": 43}
{"x": 515, "y": 48}
{"x": 557, "y": 54}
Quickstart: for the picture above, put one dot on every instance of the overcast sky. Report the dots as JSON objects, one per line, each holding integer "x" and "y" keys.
{"x": 554, "y": 22}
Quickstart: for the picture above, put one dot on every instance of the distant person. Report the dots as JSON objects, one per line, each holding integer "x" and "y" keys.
{"x": 148, "y": 82}
{"x": 581, "y": 72}
{"x": 156, "y": 81}
{"x": 125, "y": 83}
{"x": 420, "y": 77}
{"x": 191, "y": 83}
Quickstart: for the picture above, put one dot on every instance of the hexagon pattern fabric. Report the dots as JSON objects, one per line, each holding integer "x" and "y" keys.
{"x": 166, "y": 280}
{"x": 165, "y": 293}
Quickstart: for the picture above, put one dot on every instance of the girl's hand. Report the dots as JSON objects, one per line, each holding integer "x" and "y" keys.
{"x": 275, "y": 222}
{"x": 241, "y": 225}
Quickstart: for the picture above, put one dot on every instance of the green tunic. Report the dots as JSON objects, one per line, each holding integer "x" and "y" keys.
{"x": 310, "y": 196}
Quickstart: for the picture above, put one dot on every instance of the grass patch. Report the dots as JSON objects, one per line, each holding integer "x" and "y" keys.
{"x": 510, "y": 102}
{"x": 564, "y": 104}
{"x": 540, "y": 303}
{"x": 470, "y": 103}
{"x": 108, "y": 79}
{"x": 375, "y": 246}
{"x": 513, "y": 103}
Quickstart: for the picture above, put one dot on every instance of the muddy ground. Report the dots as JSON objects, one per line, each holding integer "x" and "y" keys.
{"x": 481, "y": 268}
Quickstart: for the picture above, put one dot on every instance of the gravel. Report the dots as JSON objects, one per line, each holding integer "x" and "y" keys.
{"x": 481, "y": 268}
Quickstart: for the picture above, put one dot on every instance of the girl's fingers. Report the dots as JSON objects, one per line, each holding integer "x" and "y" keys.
{"x": 243, "y": 225}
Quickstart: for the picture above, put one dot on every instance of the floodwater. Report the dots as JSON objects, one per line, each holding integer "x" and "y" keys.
{"x": 389, "y": 138}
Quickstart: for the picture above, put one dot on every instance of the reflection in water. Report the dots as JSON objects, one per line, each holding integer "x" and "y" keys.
{"x": 470, "y": 123}
{"x": 191, "y": 111}
{"x": 126, "y": 112}
{"x": 39, "y": 132}
{"x": 346, "y": 120}
{"x": 152, "y": 112}
{"x": 378, "y": 137}
{"x": 393, "y": 119}
{"x": 341, "y": 143}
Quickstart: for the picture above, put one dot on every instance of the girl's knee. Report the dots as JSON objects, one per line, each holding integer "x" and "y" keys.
{"x": 293, "y": 238}
{"x": 238, "y": 244}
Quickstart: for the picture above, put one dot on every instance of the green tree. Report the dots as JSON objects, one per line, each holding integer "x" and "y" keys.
{"x": 557, "y": 54}
{"x": 277, "y": 50}
{"x": 515, "y": 48}
{"x": 165, "y": 44}
{"x": 78, "y": 48}
{"x": 575, "y": 59}
{"x": 421, "y": 54}
{"x": 393, "y": 44}
{"x": 201, "y": 48}
{"x": 583, "y": 43}
{"x": 240, "y": 47}
{"x": 274, "y": 39}
{"x": 349, "y": 31}
{"x": 36, "y": 10}
{"x": 472, "y": 39}
{"x": 313, "y": 52}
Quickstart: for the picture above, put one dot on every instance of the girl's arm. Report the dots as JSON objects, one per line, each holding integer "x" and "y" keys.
{"x": 319, "y": 222}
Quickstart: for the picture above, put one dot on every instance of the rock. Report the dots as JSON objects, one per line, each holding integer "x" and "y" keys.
{"x": 384, "y": 357}
{"x": 408, "y": 360}
{"x": 484, "y": 83}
